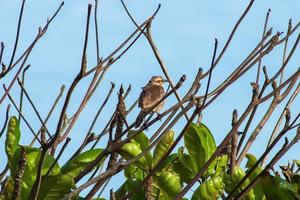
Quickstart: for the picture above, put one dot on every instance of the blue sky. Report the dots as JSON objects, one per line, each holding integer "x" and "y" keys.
{"x": 184, "y": 32}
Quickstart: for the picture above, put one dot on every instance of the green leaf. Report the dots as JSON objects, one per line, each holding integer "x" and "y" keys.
{"x": 132, "y": 184}
{"x": 82, "y": 198}
{"x": 32, "y": 160}
{"x": 55, "y": 187}
{"x": 258, "y": 189}
{"x": 200, "y": 145}
{"x": 142, "y": 140}
{"x": 12, "y": 138}
{"x": 133, "y": 172}
{"x": 184, "y": 166}
{"x": 76, "y": 165}
{"x": 128, "y": 186}
{"x": 163, "y": 146}
{"x": 168, "y": 162}
{"x": 131, "y": 150}
{"x": 121, "y": 192}
{"x": 272, "y": 190}
{"x": 251, "y": 160}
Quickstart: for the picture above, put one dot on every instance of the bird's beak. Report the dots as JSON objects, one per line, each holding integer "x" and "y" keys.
{"x": 165, "y": 80}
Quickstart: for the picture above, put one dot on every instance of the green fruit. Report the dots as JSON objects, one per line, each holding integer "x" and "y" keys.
{"x": 169, "y": 182}
{"x": 210, "y": 190}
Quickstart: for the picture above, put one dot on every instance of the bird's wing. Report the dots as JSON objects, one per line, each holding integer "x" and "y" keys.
{"x": 140, "y": 103}
{"x": 150, "y": 95}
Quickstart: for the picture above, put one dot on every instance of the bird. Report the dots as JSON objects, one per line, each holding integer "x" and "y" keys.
{"x": 151, "y": 94}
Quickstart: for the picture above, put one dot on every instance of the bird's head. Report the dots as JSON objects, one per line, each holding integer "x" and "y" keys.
{"x": 157, "y": 80}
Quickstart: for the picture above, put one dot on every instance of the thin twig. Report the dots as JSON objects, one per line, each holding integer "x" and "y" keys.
{"x": 6, "y": 120}
{"x": 279, "y": 121}
{"x": 70, "y": 91}
{"x": 33, "y": 106}
{"x": 233, "y": 152}
{"x": 37, "y": 184}
{"x": 51, "y": 111}
{"x": 263, "y": 35}
{"x": 96, "y": 31}
{"x": 198, "y": 109}
{"x": 267, "y": 151}
{"x": 16, "y": 107}
{"x": 1, "y": 55}
{"x": 57, "y": 158}
{"x": 26, "y": 54}
{"x": 17, "y": 35}
{"x": 22, "y": 92}
{"x": 88, "y": 135}
{"x": 285, "y": 48}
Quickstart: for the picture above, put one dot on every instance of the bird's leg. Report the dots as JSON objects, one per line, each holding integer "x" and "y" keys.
{"x": 147, "y": 120}
{"x": 159, "y": 116}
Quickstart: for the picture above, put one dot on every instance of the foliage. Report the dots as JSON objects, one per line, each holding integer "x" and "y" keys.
{"x": 57, "y": 183}
{"x": 177, "y": 169}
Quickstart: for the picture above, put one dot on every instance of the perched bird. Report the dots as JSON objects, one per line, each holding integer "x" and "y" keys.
{"x": 150, "y": 95}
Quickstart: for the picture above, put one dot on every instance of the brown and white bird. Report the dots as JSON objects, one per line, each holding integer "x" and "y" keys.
{"x": 151, "y": 94}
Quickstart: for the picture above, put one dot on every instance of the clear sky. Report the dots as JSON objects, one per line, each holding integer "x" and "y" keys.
{"x": 184, "y": 32}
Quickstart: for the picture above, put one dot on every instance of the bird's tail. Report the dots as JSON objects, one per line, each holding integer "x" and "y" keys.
{"x": 139, "y": 119}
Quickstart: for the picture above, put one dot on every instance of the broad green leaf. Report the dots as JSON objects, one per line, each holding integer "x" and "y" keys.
{"x": 131, "y": 150}
{"x": 55, "y": 187}
{"x": 272, "y": 190}
{"x": 258, "y": 190}
{"x": 121, "y": 192}
{"x": 200, "y": 145}
{"x": 142, "y": 140}
{"x": 12, "y": 138}
{"x": 231, "y": 181}
{"x": 168, "y": 162}
{"x": 32, "y": 160}
{"x": 184, "y": 166}
{"x": 128, "y": 186}
{"x": 76, "y": 165}
{"x": 163, "y": 146}
{"x": 133, "y": 172}
{"x": 82, "y": 198}
{"x": 292, "y": 187}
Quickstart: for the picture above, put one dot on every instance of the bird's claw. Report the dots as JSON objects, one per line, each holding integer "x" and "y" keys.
{"x": 145, "y": 126}
{"x": 159, "y": 116}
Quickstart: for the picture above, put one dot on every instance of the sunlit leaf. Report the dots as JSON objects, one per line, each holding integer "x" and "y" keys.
{"x": 184, "y": 166}
{"x": 12, "y": 138}
{"x": 163, "y": 146}
{"x": 76, "y": 165}
{"x": 55, "y": 187}
{"x": 200, "y": 145}
{"x": 272, "y": 190}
